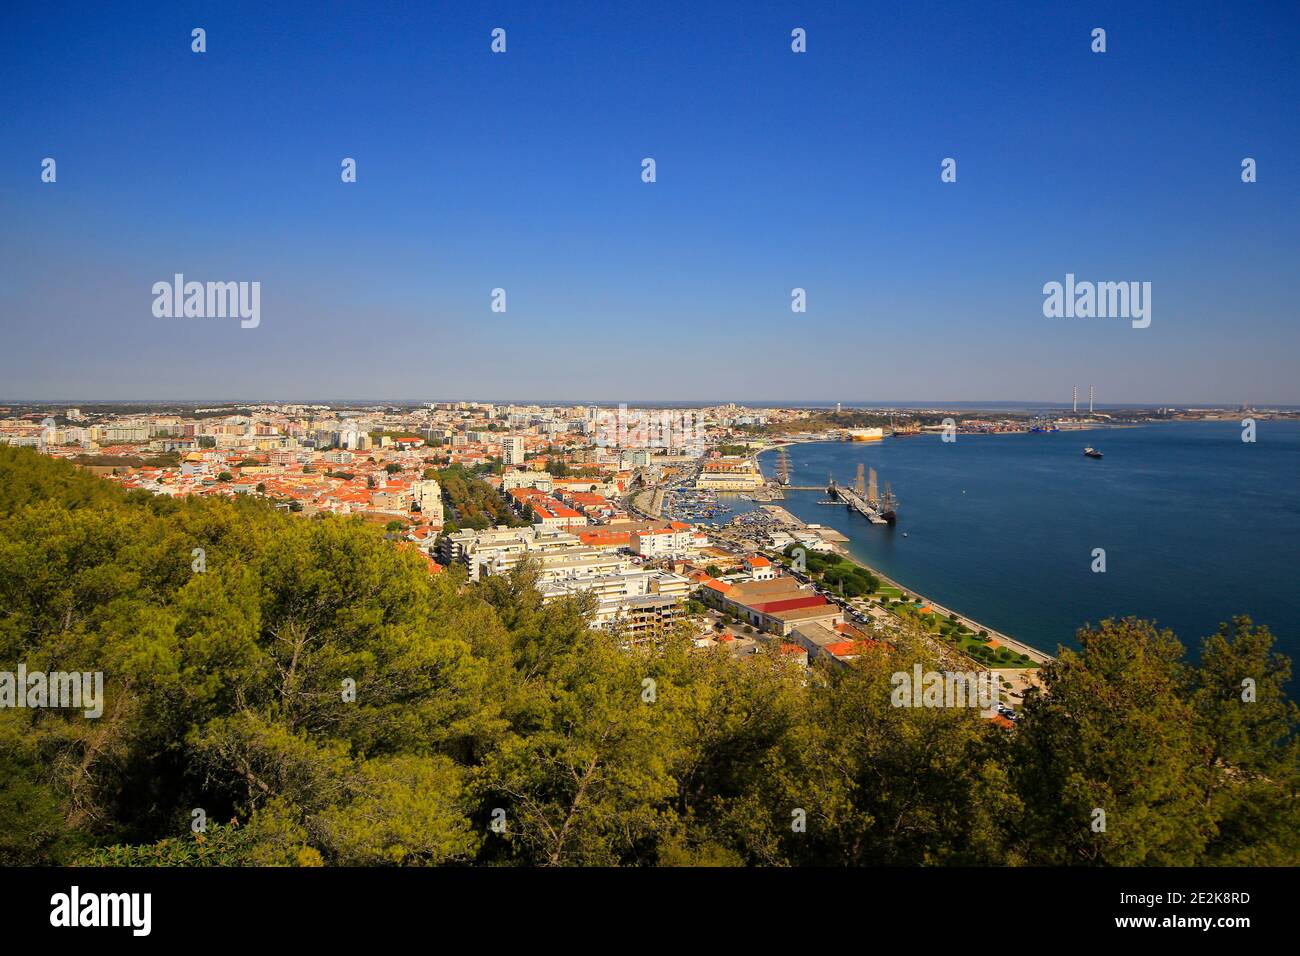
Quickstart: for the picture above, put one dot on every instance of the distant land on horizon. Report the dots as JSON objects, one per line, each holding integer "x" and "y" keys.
{"x": 973, "y": 405}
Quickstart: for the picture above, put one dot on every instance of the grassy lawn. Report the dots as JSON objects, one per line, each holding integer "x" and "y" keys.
{"x": 1002, "y": 657}
{"x": 966, "y": 641}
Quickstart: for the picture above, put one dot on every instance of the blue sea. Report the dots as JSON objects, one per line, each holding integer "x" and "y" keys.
{"x": 1197, "y": 525}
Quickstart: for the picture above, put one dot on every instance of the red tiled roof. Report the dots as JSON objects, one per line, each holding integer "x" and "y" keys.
{"x": 605, "y": 538}
{"x": 790, "y": 604}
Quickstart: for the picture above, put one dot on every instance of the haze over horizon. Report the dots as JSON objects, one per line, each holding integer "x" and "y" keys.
{"x": 1010, "y": 404}
{"x": 775, "y": 170}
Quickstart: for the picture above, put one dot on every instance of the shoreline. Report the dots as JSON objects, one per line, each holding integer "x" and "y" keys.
{"x": 1035, "y": 654}
{"x": 1040, "y": 657}
{"x": 1089, "y": 427}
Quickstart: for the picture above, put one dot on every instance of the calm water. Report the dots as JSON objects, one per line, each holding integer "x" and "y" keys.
{"x": 1196, "y": 524}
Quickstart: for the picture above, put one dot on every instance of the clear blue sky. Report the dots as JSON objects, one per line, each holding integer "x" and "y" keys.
{"x": 775, "y": 170}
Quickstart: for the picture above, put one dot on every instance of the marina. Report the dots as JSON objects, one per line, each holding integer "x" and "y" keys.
{"x": 693, "y": 505}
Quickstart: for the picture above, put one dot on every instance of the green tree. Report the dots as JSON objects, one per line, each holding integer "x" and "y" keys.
{"x": 1110, "y": 732}
{"x": 329, "y": 701}
{"x": 1246, "y": 729}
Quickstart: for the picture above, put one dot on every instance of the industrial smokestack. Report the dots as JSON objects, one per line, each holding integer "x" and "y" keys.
{"x": 1090, "y": 399}
{"x": 1076, "y": 399}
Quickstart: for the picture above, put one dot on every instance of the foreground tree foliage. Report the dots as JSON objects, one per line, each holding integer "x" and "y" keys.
{"x": 323, "y": 700}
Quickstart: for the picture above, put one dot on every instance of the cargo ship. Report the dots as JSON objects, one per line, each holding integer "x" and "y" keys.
{"x": 1092, "y": 452}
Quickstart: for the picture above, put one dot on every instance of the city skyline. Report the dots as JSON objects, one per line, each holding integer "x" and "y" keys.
{"x": 776, "y": 171}
{"x": 1010, "y": 405}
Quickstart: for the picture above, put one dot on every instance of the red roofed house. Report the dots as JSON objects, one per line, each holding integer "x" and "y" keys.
{"x": 550, "y": 514}
{"x": 796, "y": 653}
{"x": 759, "y": 568}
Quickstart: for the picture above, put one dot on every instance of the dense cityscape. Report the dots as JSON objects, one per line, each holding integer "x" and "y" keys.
{"x": 605, "y": 501}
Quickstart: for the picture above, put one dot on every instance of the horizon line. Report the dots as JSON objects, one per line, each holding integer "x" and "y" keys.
{"x": 692, "y": 402}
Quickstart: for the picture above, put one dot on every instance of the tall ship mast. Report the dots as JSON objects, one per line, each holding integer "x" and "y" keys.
{"x": 888, "y": 505}
{"x": 782, "y": 466}
{"x": 862, "y": 498}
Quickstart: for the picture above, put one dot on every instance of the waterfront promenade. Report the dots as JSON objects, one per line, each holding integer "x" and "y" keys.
{"x": 780, "y": 517}
{"x": 1033, "y": 653}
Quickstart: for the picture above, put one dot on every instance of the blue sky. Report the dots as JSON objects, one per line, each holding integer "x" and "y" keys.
{"x": 775, "y": 170}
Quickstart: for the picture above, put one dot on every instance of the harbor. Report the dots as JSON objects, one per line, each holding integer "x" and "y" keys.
{"x": 775, "y": 523}
{"x": 1003, "y": 526}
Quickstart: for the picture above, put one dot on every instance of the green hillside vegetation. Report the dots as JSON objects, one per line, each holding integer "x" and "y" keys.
{"x": 226, "y": 691}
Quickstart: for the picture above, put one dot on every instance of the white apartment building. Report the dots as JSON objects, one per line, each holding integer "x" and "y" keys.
{"x": 635, "y": 599}
{"x": 125, "y": 433}
{"x": 541, "y": 480}
{"x": 354, "y": 440}
{"x": 668, "y": 543}
{"x": 512, "y": 451}
{"x": 501, "y": 548}
{"x": 427, "y": 493}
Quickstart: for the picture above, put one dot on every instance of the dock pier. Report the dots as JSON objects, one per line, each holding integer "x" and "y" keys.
{"x": 858, "y": 504}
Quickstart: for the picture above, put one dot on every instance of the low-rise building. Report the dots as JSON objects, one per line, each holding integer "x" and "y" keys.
{"x": 729, "y": 474}
{"x": 839, "y": 643}
{"x": 759, "y": 568}
{"x": 777, "y": 606}
{"x": 517, "y": 478}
